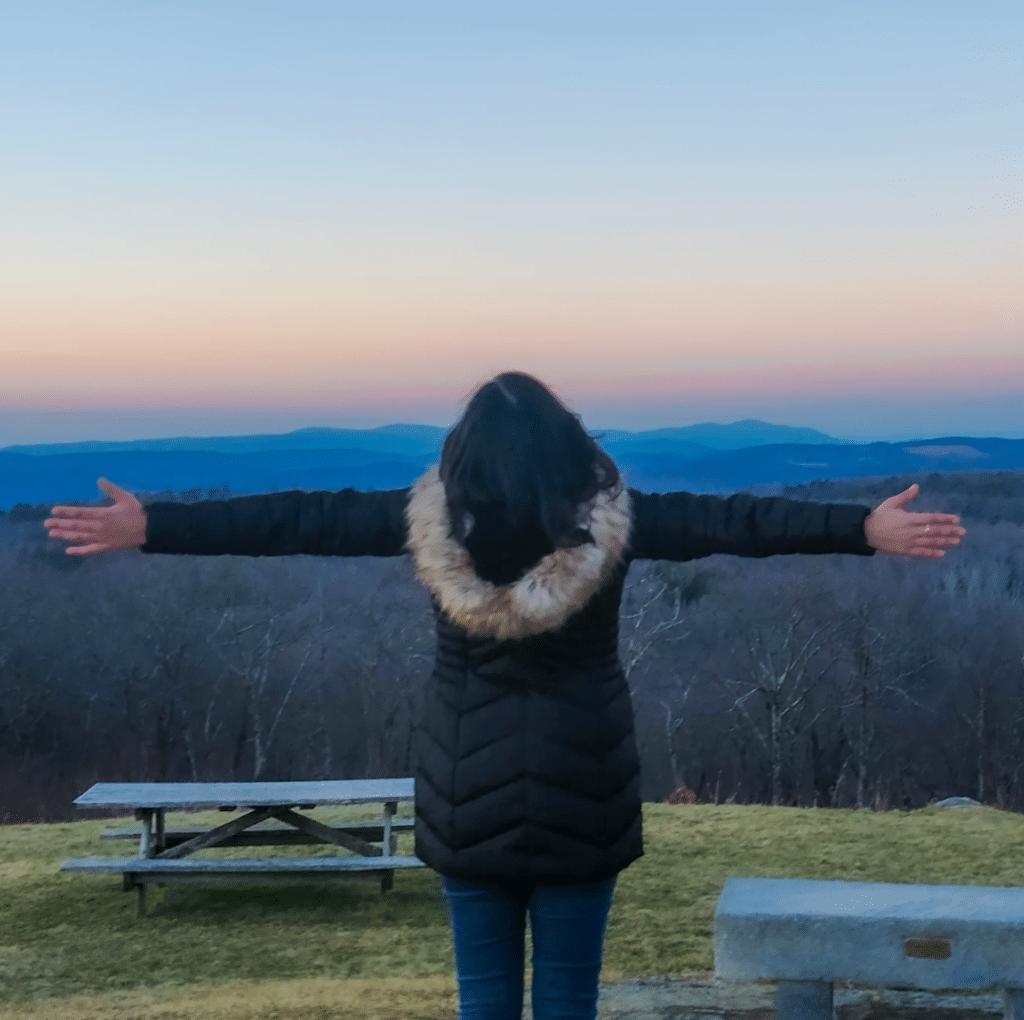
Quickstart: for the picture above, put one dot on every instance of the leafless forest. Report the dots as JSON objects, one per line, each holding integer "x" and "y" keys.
{"x": 839, "y": 681}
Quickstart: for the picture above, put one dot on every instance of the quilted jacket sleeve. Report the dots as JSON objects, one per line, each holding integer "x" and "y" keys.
{"x": 682, "y": 526}
{"x": 345, "y": 523}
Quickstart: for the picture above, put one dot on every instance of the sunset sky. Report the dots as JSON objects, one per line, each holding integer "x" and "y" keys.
{"x": 234, "y": 216}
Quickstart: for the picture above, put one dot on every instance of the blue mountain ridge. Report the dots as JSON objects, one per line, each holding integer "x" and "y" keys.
{"x": 793, "y": 464}
{"x": 405, "y": 440}
{"x": 651, "y": 462}
{"x": 414, "y": 440}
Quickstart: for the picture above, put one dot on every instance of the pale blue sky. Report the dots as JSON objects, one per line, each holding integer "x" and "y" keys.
{"x": 228, "y": 217}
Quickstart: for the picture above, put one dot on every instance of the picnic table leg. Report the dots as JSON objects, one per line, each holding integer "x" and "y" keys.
{"x": 161, "y": 837}
{"x": 146, "y": 848}
{"x": 804, "y": 1000}
{"x": 130, "y": 882}
{"x": 145, "y": 815}
{"x": 1013, "y": 1004}
{"x": 390, "y": 840}
{"x": 390, "y": 845}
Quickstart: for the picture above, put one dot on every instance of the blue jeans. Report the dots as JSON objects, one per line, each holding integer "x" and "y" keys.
{"x": 489, "y": 927}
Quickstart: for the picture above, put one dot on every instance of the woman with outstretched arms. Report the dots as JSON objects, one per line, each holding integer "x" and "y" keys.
{"x": 527, "y": 774}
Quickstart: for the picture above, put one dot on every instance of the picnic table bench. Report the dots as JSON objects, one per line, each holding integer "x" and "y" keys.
{"x": 168, "y": 855}
{"x": 807, "y": 935}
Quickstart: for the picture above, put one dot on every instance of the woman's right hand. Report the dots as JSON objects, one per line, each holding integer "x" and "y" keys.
{"x": 100, "y": 529}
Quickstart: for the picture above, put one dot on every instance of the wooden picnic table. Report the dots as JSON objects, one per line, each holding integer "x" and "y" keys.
{"x": 167, "y": 855}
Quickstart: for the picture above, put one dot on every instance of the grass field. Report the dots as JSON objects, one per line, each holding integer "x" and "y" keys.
{"x": 71, "y": 946}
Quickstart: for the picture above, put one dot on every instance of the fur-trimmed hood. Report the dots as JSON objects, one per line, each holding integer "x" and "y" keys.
{"x": 557, "y": 586}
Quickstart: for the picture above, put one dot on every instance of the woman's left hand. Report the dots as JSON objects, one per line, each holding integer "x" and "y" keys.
{"x": 890, "y": 529}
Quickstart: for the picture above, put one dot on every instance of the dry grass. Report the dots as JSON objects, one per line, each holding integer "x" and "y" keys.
{"x": 303, "y": 999}
{"x": 72, "y": 947}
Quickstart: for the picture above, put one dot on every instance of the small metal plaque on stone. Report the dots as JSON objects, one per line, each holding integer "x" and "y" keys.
{"x": 928, "y": 949}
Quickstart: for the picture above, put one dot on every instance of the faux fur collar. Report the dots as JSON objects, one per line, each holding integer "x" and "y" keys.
{"x": 558, "y": 585}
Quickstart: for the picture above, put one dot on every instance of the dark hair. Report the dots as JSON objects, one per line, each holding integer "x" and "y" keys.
{"x": 519, "y": 455}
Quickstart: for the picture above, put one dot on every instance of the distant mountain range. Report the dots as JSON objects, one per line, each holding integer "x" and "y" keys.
{"x": 700, "y": 458}
{"x": 417, "y": 440}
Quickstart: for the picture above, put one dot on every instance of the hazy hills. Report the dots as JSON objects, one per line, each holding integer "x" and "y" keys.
{"x": 702, "y": 458}
{"x": 416, "y": 440}
{"x": 406, "y": 440}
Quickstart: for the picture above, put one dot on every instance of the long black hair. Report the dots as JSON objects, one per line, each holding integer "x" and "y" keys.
{"x": 520, "y": 459}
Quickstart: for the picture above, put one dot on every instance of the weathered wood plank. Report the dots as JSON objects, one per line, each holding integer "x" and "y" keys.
{"x": 214, "y": 836}
{"x": 250, "y": 865}
{"x": 357, "y": 828}
{"x": 256, "y": 837}
{"x": 273, "y": 835}
{"x": 263, "y": 878}
{"x": 210, "y": 796}
{"x": 326, "y": 833}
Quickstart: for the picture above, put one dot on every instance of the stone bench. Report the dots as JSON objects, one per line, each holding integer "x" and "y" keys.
{"x": 808, "y": 935}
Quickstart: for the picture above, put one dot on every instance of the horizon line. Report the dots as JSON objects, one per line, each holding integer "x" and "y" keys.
{"x": 847, "y": 438}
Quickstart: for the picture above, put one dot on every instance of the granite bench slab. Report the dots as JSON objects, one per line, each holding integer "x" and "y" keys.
{"x": 808, "y": 935}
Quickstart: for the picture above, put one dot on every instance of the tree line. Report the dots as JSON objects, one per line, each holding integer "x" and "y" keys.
{"x": 839, "y": 681}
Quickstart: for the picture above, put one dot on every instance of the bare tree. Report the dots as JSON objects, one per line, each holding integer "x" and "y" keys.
{"x": 654, "y": 612}
{"x": 254, "y": 659}
{"x": 393, "y": 629}
{"x": 673, "y": 723}
{"x": 655, "y": 615}
{"x": 781, "y": 678}
{"x": 874, "y": 680}
{"x": 1017, "y": 736}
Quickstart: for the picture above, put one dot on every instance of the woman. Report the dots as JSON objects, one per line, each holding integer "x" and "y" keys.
{"x": 527, "y": 781}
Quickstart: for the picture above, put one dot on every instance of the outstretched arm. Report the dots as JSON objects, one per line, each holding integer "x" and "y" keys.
{"x": 683, "y": 526}
{"x": 345, "y": 523}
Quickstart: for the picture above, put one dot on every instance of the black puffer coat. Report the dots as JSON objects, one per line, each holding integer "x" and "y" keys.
{"x": 527, "y": 766}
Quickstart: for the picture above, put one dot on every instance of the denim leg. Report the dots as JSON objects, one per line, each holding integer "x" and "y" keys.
{"x": 489, "y": 930}
{"x": 568, "y": 925}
